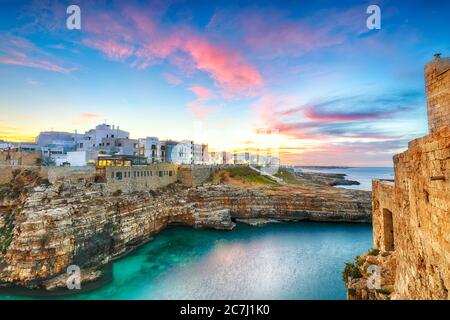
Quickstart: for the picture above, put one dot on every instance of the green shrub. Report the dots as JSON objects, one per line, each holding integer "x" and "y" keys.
{"x": 351, "y": 292}
{"x": 45, "y": 182}
{"x": 250, "y": 175}
{"x": 359, "y": 262}
{"x": 374, "y": 252}
{"x": 383, "y": 291}
{"x": 385, "y": 254}
{"x": 117, "y": 193}
{"x": 351, "y": 270}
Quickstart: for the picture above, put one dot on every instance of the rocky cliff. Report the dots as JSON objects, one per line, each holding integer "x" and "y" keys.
{"x": 44, "y": 228}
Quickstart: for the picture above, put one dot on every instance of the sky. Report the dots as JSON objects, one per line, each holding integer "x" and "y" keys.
{"x": 330, "y": 90}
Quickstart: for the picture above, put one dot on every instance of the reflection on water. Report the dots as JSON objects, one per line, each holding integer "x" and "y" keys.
{"x": 280, "y": 261}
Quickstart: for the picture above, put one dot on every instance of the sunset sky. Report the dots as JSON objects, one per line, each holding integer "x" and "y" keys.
{"x": 216, "y": 71}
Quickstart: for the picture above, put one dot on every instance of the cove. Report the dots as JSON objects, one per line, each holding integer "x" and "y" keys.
{"x": 301, "y": 260}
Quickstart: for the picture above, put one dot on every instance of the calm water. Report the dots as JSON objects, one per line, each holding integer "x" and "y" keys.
{"x": 278, "y": 261}
{"x": 362, "y": 175}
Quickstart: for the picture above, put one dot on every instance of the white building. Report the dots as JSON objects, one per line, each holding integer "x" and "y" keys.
{"x": 93, "y": 138}
{"x": 56, "y": 137}
{"x": 180, "y": 152}
{"x": 154, "y": 149}
{"x": 81, "y": 158}
{"x": 197, "y": 154}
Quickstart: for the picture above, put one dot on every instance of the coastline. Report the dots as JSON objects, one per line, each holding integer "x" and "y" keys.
{"x": 162, "y": 248}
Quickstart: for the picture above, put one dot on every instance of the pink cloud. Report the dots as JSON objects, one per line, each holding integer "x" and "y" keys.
{"x": 85, "y": 119}
{"x": 172, "y": 79}
{"x": 21, "y": 52}
{"x": 111, "y": 48}
{"x": 201, "y": 111}
{"x": 201, "y": 92}
{"x": 272, "y": 32}
{"x": 198, "y": 107}
{"x": 140, "y": 36}
{"x": 227, "y": 68}
{"x": 89, "y": 115}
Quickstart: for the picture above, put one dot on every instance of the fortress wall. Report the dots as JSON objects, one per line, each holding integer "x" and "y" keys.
{"x": 412, "y": 216}
{"x": 421, "y": 218}
{"x": 193, "y": 176}
{"x": 382, "y": 200}
{"x": 437, "y": 80}
{"x": 23, "y": 158}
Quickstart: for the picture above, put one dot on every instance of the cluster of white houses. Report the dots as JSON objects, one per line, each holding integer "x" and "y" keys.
{"x": 74, "y": 149}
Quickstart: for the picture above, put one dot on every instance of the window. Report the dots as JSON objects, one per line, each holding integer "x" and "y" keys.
{"x": 119, "y": 175}
{"x": 112, "y": 136}
{"x": 388, "y": 230}
{"x": 134, "y": 174}
{"x": 170, "y": 173}
{"x": 112, "y": 175}
{"x": 161, "y": 173}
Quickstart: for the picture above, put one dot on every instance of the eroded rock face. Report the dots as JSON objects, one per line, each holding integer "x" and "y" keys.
{"x": 65, "y": 224}
{"x": 365, "y": 285}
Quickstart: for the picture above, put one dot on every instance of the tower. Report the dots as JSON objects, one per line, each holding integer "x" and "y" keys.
{"x": 437, "y": 83}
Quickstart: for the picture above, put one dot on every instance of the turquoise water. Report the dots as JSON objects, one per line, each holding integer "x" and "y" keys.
{"x": 279, "y": 261}
{"x": 363, "y": 175}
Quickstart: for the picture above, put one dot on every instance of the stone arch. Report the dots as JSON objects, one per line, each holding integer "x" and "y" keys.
{"x": 388, "y": 230}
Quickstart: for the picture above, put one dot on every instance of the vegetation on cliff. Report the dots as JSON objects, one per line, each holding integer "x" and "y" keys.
{"x": 241, "y": 176}
{"x": 358, "y": 273}
{"x": 6, "y": 231}
{"x": 21, "y": 181}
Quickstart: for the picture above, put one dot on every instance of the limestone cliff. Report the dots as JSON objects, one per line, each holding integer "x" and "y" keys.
{"x": 47, "y": 227}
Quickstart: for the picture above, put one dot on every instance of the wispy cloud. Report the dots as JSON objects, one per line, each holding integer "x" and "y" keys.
{"x": 172, "y": 79}
{"x": 199, "y": 107}
{"x": 85, "y": 118}
{"x": 19, "y": 51}
{"x": 141, "y": 40}
{"x": 272, "y": 32}
{"x": 350, "y": 117}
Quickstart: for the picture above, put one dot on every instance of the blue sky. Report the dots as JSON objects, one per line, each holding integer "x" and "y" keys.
{"x": 216, "y": 71}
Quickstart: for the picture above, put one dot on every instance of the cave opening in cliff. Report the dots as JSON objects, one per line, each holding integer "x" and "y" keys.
{"x": 388, "y": 230}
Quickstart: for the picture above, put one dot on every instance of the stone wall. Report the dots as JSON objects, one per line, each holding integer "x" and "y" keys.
{"x": 411, "y": 217}
{"x": 21, "y": 158}
{"x": 140, "y": 178}
{"x": 51, "y": 173}
{"x": 421, "y": 218}
{"x": 382, "y": 202}
{"x": 192, "y": 176}
{"x": 437, "y": 79}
